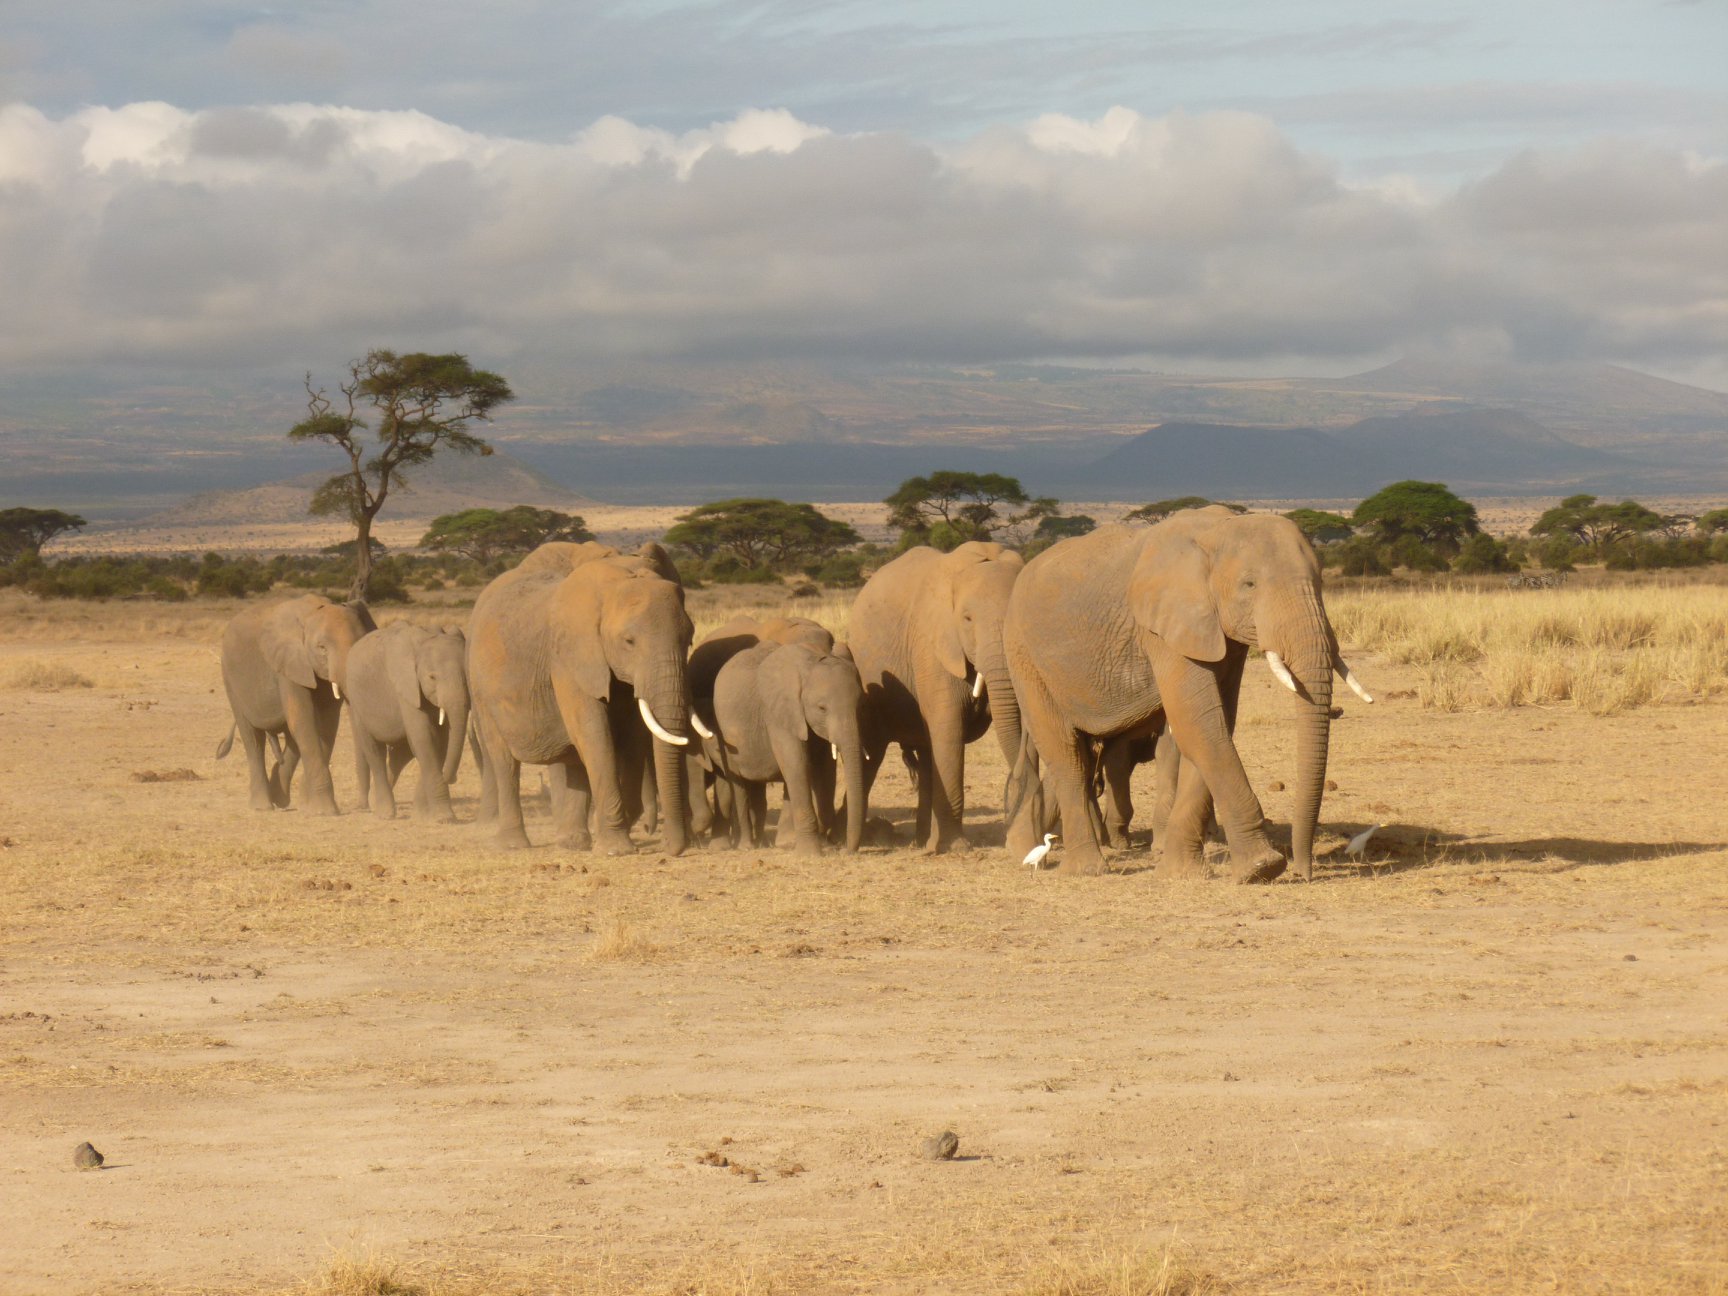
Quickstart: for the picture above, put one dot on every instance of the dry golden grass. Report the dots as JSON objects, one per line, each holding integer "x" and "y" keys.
{"x": 1602, "y": 650}
{"x": 44, "y": 676}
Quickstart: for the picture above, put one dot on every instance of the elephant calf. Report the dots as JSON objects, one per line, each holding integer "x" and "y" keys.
{"x": 784, "y": 713}
{"x": 408, "y": 700}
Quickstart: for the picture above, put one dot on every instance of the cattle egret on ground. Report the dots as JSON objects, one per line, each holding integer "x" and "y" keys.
{"x": 1359, "y": 842}
{"x": 1035, "y": 857}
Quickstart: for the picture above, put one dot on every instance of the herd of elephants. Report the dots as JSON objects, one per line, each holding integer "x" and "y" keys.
{"x": 1102, "y": 652}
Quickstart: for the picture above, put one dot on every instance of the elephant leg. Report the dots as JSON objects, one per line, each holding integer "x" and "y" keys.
{"x": 282, "y": 776}
{"x": 1064, "y": 755}
{"x": 504, "y": 773}
{"x": 1182, "y": 840}
{"x": 696, "y": 793}
{"x": 756, "y": 813}
{"x": 918, "y": 765}
{"x": 488, "y": 811}
{"x": 793, "y": 757}
{"x": 307, "y": 727}
{"x": 1166, "y": 766}
{"x": 728, "y": 807}
{"x": 362, "y": 773}
{"x": 1196, "y": 703}
{"x": 572, "y": 799}
{"x": 1117, "y": 763}
{"x": 264, "y": 792}
{"x": 421, "y": 743}
{"x": 398, "y": 755}
{"x": 372, "y": 772}
{"x": 823, "y": 777}
{"x": 587, "y": 723}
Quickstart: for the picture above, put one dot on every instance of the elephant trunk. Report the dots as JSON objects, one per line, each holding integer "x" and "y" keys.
{"x": 456, "y": 716}
{"x": 1004, "y": 705}
{"x": 857, "y": 799}
{"x": 1311, "y": 651}
{"x": 667, "y": 695}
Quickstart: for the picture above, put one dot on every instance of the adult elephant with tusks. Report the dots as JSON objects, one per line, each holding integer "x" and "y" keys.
{"x": 926, "y": 632}
{"x": 570, "y": 655}
{"x": 1107, "y": 631}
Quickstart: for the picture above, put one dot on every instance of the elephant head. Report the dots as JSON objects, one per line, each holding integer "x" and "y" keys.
{"x": 963, "y": 607}
{"x": 437, "y": 677}
{"x": 818, "y": 693}
{"x": 621, "y": 619}
{"x": 1209, "y": 576}
{"x": 307, "y": 639}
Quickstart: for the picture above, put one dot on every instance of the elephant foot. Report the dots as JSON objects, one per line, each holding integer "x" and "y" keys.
{"x": 953, "y": 846}
{"x": 616, "y": 844}
{"x": 577, "y": 842}
{"x": 323, "y": 809}
{"x": 1263, "y": 869}
{"x": 511, "y": 839}
{"x": 1082, "y": 863}
{"x": 1182, "y": 867}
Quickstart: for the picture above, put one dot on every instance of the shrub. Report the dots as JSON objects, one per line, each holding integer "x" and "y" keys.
{"x": 1483, "y": 553}
{"x": 1410, "y": 553}
{"x": 842, "y": 571}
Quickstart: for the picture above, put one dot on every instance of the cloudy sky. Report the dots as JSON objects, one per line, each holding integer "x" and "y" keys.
{"x": 1243, "y": 185}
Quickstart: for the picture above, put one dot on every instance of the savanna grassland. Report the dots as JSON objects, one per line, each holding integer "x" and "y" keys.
{"x": 355, "y": 1056}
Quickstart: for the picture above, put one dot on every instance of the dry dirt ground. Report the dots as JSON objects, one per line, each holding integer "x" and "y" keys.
{"x": 1490, "y": 1059}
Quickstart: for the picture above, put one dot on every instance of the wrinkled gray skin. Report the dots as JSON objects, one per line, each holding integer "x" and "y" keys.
{"x": 706, "y": 660}
{"x": 399, "y": 680}
{"x": 281, "y": 665}
{"x": 779, "y": 712}
{"x": 1108, "y": 630}
{"x": 923, "y": 629}
{"x": 560, "y": 649}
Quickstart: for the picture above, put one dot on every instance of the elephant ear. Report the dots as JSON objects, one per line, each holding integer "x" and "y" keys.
{"x": 403, "y": 670}
{"x": 656, "y": 556}
{"x": 940, "y": 607}
{"x": 1170, "y": 594}
{"x": 782, "y": 680}
{"x": 283, "y": 640}
{"x": 581, "y": 598}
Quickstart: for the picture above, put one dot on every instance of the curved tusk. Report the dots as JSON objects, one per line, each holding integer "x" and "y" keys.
{"x": 336, "y": 689}
{"x": 654, "y": 726}
{"x": 1356, "y": 688}
{"x": 701, "y": 729}
{"x": 834, "y": 748}
{"x": 440, "y": 717}
{"x": 1276, "y": 663}
{"x": 978, "y": 686}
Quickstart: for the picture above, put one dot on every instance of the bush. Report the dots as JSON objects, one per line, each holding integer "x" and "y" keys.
{"x": 1410, "y": 553}
{"x": 1482, "y": 553}
{"x": 1558, "y": 554}
{"x": 728, "y": 570}
{"x": 1358, "y": 557}
{"x": 167, "y": 589}
{"x": 842, "y": 571}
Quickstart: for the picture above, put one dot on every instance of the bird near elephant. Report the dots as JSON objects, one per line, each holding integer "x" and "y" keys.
{"x": 789, "y": 713}
{"x": 1108, "y": 632}
{"x": 926, "y": 632}
{"x": 408, "y": 700}
{"x": 284, "y": 665}
{"x": 575, "y": 658}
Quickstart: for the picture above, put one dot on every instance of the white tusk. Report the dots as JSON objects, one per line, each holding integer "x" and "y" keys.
{"x": 1356, "y": 688}
{"x": 977, "y": 687}
{"x": 336, "y": 689}
{"x": 654, "y": 725}
{"x": 698, "y": 726}
{"x": 440, "y": 717}
{"x": 835, "y": 749}
{"x": 1282, "y": 671}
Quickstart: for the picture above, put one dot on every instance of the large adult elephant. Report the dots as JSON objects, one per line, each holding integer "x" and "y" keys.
{"x": 785, "y": 713}
{"x": 1109, "y": 631}
{"x": 283, "y": 666}
{"x": 926, "y": 632}
{"x": 408, "y": 700}
{"x": 570, "y": 655}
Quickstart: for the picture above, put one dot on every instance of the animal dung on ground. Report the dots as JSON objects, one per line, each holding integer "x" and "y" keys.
{"x": 86, "y": 1157}
{"x": 940, "y": 1147}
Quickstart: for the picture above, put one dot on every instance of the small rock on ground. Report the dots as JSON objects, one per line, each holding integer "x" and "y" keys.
{"x": 87, "y": 1157}
{"x": 941, "y": 1147}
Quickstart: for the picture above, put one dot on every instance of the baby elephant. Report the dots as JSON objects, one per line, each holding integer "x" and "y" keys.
{"x": 408, "y": 700}
{"x": 786, "y": 713}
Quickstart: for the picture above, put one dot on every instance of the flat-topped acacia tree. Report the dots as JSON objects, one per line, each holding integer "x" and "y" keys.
{"x": 423, "y": 404}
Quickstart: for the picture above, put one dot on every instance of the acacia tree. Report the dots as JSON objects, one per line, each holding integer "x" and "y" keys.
{"x": 483, "y": 534}
{"x": 966, "y": 504}
{"x": 1424, "y": 511}
{"x": 760, "y": 532}
{"x": 1320, "y": 526}
{"x": 23, "y": 531}
{"x": 1158, "y": 510}
{"x": 423, "y": 404}
{"x": 1597, "y": 525}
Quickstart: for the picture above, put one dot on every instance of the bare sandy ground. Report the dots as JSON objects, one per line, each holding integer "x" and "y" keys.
{"x": 1491, "y": 1059}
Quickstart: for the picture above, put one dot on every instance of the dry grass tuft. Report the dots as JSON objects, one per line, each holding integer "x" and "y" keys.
{"x": 45, "y": 676}
{"x": 1132, "y": 1273}
{"x": 617, "y": 940}
{"x": 181, "y": 775}
{"x": 364, "y": 1273}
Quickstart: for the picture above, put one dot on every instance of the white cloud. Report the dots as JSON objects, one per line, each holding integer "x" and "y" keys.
{"x": 294, "y": 233}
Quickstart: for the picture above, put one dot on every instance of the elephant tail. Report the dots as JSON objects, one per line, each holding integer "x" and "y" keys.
{"x": 1023, "y": 779}
{"x": 227, "y": 744}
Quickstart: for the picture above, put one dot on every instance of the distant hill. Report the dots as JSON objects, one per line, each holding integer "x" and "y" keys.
{"x": 446, "y": 485}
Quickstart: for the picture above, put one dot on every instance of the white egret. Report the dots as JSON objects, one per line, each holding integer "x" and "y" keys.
{"x": 1035, "y": 857}
{"x": 1359, "y": 842}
